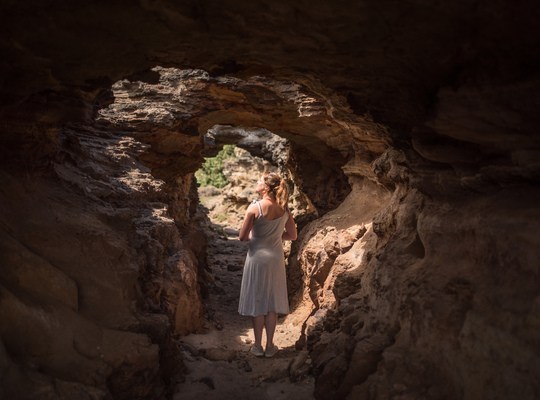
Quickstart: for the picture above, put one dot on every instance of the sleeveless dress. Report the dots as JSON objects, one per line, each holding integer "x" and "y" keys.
{"x": 264, "y": 282}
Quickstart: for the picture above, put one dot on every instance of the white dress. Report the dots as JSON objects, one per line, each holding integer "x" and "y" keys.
{"x": 264, "y": 282}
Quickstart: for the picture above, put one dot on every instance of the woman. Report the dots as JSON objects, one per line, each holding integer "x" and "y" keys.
{"x": 263, "y": 294}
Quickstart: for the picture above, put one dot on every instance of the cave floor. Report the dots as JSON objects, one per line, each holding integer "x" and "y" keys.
{"x": 218, "y": 361}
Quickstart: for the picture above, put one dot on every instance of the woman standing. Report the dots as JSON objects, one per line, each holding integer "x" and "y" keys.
{"x": 263, "y": 294}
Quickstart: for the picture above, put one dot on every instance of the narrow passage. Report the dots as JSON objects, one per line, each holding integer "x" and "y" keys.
{"x": 219, "y": 363}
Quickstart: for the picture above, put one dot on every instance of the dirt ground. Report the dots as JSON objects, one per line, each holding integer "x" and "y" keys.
{"x": 218, "y": 361}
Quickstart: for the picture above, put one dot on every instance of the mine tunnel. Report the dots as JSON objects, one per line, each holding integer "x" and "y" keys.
{"x": 407, "y": 131}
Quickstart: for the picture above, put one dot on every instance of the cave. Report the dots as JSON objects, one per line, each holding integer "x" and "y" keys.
{"x": 409, "y": 131}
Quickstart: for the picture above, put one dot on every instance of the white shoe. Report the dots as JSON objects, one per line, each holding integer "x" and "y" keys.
{"x": 271, "y": 351}
{"x": 257, "y": 351}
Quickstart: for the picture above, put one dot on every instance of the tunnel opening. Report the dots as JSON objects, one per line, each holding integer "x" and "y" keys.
{"x": 177, "y": 121}
{"x": 133, "y": 171}
{"x": 425, "y": 288}
{"x": 226, "y": 185}
{"x": 356, "y": 239}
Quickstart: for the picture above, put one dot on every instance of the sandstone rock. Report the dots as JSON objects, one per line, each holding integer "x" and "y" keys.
{"x": 418, "y": 122}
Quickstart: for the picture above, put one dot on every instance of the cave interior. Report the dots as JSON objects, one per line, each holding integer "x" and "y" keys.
{"x": 408, "y": 129}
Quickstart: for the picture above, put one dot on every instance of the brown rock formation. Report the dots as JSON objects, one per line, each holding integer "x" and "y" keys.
{"x": 412, "y": 140}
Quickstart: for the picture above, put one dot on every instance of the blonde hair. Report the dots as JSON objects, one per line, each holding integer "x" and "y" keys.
{"x": 278, "y": 187}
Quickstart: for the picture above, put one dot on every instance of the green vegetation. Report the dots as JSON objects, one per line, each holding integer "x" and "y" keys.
{"x": 221, "y": 217}
{"x": 211, "y": 172}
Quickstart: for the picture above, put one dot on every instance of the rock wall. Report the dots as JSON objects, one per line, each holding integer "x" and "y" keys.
{"x": 96, "y": 275}
{"x": 432, "y": 299}
{"x": 412, "y": 137}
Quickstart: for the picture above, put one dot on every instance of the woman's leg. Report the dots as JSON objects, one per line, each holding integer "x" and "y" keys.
{"x": 258, "y": 325}
{"x": 270, "y": 322}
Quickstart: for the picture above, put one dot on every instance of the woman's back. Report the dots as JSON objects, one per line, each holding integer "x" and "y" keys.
{"x": 270, "y": 209}
{"x": 267, "y": 230}
{"x": 264, "y": 285}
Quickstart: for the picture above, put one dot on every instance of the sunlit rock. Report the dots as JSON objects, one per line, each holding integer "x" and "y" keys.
{"x": 409, "y": 131}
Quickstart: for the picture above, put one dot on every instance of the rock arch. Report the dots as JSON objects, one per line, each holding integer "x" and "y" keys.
{"x": 427, "y": 112}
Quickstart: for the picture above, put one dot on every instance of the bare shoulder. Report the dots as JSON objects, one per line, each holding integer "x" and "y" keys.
{"x": 253, "y": 209}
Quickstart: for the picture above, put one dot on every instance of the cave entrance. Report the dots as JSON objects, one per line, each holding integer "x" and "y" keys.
{"x": 226, "y": 181}
{"x": 235, "y": 159}
{"x": 226, "y": 185}
{"x": 174, "y": 119}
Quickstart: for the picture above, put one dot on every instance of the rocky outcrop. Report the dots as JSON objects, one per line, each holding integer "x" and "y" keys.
{"x": 415, "y": 309}
{"x": 411, "y": 140}
{"x": 100, "y": 276}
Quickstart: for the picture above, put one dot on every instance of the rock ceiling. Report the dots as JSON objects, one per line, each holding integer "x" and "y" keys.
{"x": 413, "y": 129}
{"x": 399, "y": 63}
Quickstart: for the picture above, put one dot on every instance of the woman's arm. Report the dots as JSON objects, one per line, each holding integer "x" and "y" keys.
{"x": 251, "y": 213}
{"x": 290, "y": 229}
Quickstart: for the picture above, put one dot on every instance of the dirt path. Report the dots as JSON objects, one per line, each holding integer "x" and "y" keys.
{"x": 219, "y": 363}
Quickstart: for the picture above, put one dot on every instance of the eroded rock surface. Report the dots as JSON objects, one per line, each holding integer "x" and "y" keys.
{"x": 412, "y": 139}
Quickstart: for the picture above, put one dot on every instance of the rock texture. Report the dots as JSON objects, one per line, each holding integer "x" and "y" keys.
{"x": 94, "y": 263}
{"x": 411, "y": 138}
